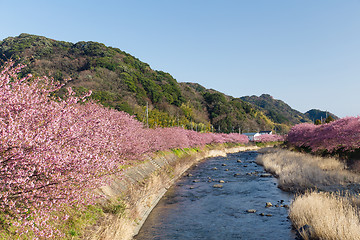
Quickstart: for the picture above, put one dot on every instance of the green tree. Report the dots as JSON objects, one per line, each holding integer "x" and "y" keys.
{"x": 329, "y": 119}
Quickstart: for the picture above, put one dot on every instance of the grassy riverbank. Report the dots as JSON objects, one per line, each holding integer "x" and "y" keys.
{"x": 327, "y": 203}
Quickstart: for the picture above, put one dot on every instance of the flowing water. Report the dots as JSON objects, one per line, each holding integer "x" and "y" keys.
{"x": 194, "y": 209}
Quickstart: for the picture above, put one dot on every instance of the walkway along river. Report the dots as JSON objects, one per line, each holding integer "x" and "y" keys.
{"x": 212, "y": 201}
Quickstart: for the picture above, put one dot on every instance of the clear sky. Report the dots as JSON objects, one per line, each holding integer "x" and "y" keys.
{"x": 304, "y": 52}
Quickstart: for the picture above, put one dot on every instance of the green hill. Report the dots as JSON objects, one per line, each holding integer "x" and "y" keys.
{"x": 315, "y": 114}
{"x": 276, "y": 110}
{"x": 121, "y": 81}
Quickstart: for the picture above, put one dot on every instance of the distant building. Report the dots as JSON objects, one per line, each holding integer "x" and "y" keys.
{"x": 252, "y": 136}
{"x": 265, "y": 132}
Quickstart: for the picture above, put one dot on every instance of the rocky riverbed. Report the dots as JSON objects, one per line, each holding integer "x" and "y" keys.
{"x": 222, "y": 198}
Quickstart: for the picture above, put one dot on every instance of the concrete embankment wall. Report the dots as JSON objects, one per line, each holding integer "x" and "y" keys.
{"x": 141, "y": 187}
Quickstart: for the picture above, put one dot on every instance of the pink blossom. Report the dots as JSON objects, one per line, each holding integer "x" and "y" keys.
{"x": 342, "y": 134}
{"x": 54, "y": 151}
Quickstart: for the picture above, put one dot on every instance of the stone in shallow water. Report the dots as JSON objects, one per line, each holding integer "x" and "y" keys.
{"x": 221, "y": 181}
{"x": 251, "y": 211}
{"x": 218, "y": 186}
{"x": 268, "y": 204}
{"x": 265, "y": 175}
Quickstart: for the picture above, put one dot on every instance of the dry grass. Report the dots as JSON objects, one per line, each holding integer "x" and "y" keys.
{"x": 317, "y": 215}
{"x": 325, "y": 216}
{"x": 298, "y": 171}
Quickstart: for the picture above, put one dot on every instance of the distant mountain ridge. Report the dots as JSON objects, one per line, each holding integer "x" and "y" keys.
{"x": 276, "y": 110}
{"x": 119, "y": 80}
{"x": 315, "y": 114}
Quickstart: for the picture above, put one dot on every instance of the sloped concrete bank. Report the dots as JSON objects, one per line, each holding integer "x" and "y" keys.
{"x": 141, "y": 186}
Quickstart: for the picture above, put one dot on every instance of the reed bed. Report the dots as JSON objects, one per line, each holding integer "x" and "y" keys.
{"x": 323, "y": 215}
{"x": 329, "y": 215}
{"x": 298, "y": 171}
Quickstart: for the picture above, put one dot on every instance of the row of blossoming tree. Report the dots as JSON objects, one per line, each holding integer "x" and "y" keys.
{"x": 53, "y": 151}
{"x": 339, "y": 135}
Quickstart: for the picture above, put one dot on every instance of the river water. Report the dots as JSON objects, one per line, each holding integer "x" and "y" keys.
{"x": 194, "y": 209}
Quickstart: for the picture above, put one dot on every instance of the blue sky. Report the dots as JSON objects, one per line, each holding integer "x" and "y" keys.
{"x": 304, "y": 52}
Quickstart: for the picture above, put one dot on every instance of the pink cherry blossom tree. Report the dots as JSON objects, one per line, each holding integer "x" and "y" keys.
{"x": 54, "y": 151}
{"x": 342, "y": 134}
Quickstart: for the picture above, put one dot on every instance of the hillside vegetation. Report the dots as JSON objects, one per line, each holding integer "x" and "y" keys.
{"x": 123, "y": 82}
{"x": 316, "y": 114}
{"x": 276, "y": 110}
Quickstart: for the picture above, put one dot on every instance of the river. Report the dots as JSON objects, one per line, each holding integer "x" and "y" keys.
{"x": 194, "y": 209}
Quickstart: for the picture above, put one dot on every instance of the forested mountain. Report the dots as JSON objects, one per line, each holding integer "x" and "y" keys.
{"x": 119, "y": 80}
{"x": 277, "y": 110}
{"x": 316, "y": 114}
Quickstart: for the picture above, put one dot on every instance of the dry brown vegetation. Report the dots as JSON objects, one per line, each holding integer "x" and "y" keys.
{"x": 325, "y": 216}
{"x": 318, "y": 215}
{"x": 298, "y": 171}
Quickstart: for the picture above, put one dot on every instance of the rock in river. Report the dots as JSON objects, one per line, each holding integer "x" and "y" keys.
{"x": 251, "y": 211}
{"x": 265, "y": 175}
{"x": 218, "y": 186}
